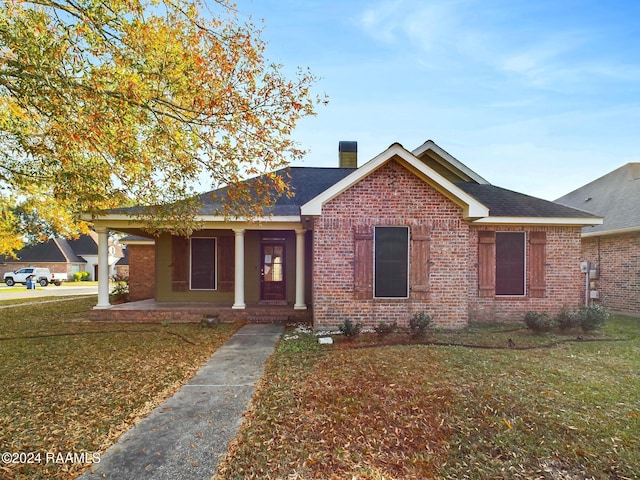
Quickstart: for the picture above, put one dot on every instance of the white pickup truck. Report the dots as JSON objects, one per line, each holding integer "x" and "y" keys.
{"x": 42, "y": 275}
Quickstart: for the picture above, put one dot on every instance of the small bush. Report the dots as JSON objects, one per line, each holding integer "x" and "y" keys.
{"x": 419, "y": 324}
{"x": 539, "y": 322}
{"x": 567, "y": 320}
{"x": 383, "y": 329}
{"x": 120, "y": 289}
{"x": 81, "y": 276}
{"x": 350, "y": 329}
{"x": 592, "y": 317}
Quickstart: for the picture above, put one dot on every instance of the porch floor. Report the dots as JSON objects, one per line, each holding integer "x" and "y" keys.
{"x": 151, "y": 311}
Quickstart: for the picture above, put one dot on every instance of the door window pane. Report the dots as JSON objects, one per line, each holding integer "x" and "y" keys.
{"x": 273, "y": 271}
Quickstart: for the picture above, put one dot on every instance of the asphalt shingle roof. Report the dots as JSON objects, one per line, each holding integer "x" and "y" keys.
{"x": 53, "y": 250}
{"x": 308, "y": 182}
{"x": 305, "y": 183}
{"x": 614, "y": 196}
{"x": 63, "y": 244}
{"x": 42, "y": 252}
{"x": 85, "y": 244}
{"x": 507, "y": 203}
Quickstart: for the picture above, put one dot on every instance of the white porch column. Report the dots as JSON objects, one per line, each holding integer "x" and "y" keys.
{"x": 103, "y": 268}
{"x": 238, "y": 299}
{"x": 300, "y": 305}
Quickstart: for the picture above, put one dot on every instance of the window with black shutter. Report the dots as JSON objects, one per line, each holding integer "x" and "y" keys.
{"x": 203, "y": 264}
{"x": 391, "y": 262}
{"x": 510, "y": 263}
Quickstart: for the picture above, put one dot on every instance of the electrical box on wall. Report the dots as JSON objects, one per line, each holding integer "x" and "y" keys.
{"x": 594, "y": 272}
{"x": 595, "y": 294}
{"x": 585, "y": 267}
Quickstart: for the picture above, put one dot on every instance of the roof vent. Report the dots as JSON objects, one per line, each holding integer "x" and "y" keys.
{"x": 348, "y": 154}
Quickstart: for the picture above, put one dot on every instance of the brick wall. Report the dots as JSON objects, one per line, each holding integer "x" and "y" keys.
{"x": 619, "y": 260}
{"x": 122, "y": 270}
{"x": 564, "y": 281}
{"x": 394, "y": 196}
{"x": 389, "y": 196}
{"x": 142, "y": 270}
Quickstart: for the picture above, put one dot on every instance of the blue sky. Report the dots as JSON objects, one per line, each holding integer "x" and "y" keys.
{"x": 538, "y": 96}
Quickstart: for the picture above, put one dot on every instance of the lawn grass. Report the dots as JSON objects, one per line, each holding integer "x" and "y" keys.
{"x": 553, "y": 407}
{"x": 68, "y": 385}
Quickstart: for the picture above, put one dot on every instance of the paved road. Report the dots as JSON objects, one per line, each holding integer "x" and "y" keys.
{"x": 9, "y": 293}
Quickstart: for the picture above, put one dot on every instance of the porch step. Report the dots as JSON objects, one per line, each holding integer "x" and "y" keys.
{"x": 277, "y": 314}
{"x": 275, "y": 317}
{"x": 149, "y": 311}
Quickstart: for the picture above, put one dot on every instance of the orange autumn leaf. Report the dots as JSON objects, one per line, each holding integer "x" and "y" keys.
{"x": 134, "y": 102}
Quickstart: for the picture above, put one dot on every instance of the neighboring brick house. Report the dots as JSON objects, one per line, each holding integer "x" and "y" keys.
{"x": 122, "y": 265}
{"x": 404, "y": 233}
{"x": 613, "y": 248}
{"x": 62, "y": 255}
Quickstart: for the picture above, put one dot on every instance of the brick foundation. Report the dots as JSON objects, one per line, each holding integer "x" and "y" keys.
{"x": 148, "y": 311}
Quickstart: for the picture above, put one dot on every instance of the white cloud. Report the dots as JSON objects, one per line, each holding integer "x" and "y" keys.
{"x": 465, "y": 34}
{"x": 399, "y": 21}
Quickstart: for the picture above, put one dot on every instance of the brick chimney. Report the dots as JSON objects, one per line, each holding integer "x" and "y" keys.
{"x": 348, "y": 154}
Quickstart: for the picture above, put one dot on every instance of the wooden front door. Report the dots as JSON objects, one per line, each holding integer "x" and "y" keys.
{"x": 272, "y": 269}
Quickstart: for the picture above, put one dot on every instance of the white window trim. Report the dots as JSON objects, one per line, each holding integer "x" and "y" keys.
{"x": 215, "y": 264}
{"x": 408, "y": 261}
{"x": 524, "y": 269}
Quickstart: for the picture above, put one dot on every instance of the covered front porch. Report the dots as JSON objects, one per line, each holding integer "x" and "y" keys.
{"x": 151, "y": 311}
{"x": 234, "y": 271}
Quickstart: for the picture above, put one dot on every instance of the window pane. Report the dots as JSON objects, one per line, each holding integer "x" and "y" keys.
{"x": 203, "y": 263}
{"x": 510, "y": 253}
{"x": 273, "y": 259}
{"x": 391, "y": 246}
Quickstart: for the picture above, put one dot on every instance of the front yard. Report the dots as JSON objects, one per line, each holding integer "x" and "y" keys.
{"x": 69, "y": 386}
{"x": 487, "y": 402}
{"x": 550, "y": 407}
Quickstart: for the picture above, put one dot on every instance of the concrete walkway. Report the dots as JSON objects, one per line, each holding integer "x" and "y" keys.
{"x": 185, "y": 436}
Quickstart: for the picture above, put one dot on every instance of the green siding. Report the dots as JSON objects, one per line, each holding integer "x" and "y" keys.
{"x": 252, "y": 267}
{"x": 252, "y": 242}
{"x": 163, "y": 275}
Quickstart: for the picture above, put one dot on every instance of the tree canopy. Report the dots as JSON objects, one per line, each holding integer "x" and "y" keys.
{"x": 131, "y": 102}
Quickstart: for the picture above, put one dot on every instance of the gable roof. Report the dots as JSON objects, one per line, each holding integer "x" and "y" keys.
{"x": 481, "y": 201}
{"x": 614, "y": 196}
{"x": 67, "y": 250}
{"x": 472, "y": 207}
{"x": 312, "y": 187}
{"x": 59, "y": 250}
{"x": 54, "y": 250}
{"x": 445, "y": 163}
{"x": 85, "y": 244}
